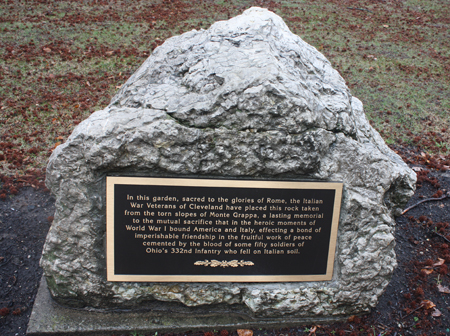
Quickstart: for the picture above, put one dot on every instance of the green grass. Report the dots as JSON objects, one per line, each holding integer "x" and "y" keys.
{"x": 62, "y": 60}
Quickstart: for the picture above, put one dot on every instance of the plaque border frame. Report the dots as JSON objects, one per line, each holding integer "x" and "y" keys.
{"x": 111, "y": 181}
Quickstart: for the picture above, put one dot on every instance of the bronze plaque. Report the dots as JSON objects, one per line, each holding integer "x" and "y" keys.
{"x": 213, "y": 230}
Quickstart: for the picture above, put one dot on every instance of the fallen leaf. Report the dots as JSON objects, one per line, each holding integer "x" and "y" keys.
{"x": 245, "y": 332}
{"x": 110, "y": 52}
{"x": 4, "y": 311}
{"x": 427, "y": 271}
{"x": 88, "y": 84}
{"x": 386, "y": 26}
{"x": 436, "y": 313}
{"x": 47, "y": 50}
{"x": 312, "y": 330}
{"x": 428, "y": 304}
{"x": 443, "y": 289}
{"x": 439, "y": 263}
{"x": 59, "y": 138}
{"x": 18, "y": 311}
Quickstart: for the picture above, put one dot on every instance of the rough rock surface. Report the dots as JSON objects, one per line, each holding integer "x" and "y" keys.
{"x": 245, "y": 98}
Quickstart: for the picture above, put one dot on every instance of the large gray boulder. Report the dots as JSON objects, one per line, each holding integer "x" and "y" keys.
{"x": 245, "y": 98}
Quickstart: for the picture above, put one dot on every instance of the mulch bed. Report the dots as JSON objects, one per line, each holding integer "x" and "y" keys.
{"x": 417, "y": 301}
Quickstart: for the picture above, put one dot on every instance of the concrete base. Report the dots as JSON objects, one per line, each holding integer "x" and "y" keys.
{"x": 49, "y": 318}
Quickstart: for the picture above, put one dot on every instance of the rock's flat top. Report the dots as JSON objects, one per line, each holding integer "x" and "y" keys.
{"x": 245, "y": 98}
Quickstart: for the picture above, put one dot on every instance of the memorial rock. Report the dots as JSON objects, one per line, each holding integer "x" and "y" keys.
{"x": 244, "y": 99}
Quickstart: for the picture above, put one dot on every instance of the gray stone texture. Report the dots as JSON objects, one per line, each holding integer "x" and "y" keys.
{"x": 49, "y": 318}
{"x": 245, "y": 98}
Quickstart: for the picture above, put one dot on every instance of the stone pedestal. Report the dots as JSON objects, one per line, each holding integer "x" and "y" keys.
{"x": 50, "y": 318}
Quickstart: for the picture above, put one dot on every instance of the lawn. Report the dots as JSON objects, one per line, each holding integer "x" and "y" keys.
{"x": 62, "y": 60}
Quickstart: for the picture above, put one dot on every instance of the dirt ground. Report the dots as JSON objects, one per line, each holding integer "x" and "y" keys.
{"x": 24, "y": 222}
{"x": 417, "y": 301}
